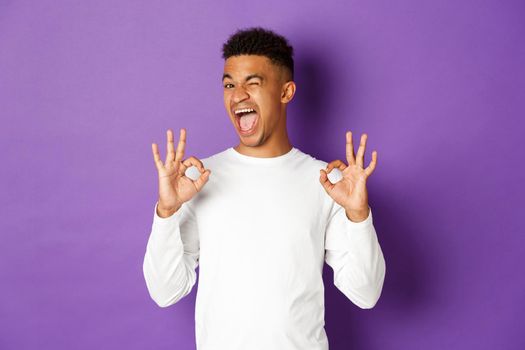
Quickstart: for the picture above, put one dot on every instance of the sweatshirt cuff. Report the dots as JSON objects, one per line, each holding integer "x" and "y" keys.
{"x": 168, "y": 221}
{"x": 361, "y": 225}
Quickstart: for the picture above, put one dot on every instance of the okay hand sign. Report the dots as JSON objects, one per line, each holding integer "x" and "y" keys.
{"x": 175, "y": 187}
{"x": 350, "y": 192}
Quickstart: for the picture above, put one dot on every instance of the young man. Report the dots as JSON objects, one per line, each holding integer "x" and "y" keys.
{"x": 261, "y": 218}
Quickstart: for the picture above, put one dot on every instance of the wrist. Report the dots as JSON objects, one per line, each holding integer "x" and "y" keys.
{"x": 357, "y": 215}
{"x": 165, "y": 211}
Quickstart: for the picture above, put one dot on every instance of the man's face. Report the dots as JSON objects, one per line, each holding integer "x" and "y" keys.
{"x": 252, "y": 81}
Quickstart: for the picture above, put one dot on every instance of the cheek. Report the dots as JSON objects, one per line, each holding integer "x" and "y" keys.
{"x": 268, "y": 100}
{"x": 272, "y": 105}
{"x": 226, "y": 100}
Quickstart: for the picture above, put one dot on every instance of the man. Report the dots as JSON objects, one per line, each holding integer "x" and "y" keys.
{"x": 261, "y": 218}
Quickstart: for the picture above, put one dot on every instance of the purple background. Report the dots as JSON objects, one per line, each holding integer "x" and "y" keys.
{"x": 86, "y": 87}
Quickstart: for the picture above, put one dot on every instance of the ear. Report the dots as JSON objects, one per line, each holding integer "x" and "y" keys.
{"x": 288, "y": 91}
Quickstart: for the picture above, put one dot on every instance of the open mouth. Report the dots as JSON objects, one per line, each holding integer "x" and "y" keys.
{"x": 246, "y": 119}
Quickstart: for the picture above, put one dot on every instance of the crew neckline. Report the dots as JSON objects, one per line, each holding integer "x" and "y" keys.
{"x": 262, "y": 160}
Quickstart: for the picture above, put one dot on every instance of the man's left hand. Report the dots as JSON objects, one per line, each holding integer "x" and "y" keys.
{"x": 350, "y": 192}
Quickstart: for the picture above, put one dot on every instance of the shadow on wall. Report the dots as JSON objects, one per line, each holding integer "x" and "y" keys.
{"x": 325, "y": 82}
{"x": 408, "y": 288}
{"x": 312, "y": 101}
{"x": 407, "y": 281}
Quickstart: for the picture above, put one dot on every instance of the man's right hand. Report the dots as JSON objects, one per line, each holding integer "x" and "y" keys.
{"x": 175, "y": 187}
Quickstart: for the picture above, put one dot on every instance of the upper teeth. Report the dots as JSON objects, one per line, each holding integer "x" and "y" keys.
{"x": 245, "y": 110}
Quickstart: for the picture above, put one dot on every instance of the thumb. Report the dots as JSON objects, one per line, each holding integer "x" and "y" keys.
{"x": 203, "y": 178}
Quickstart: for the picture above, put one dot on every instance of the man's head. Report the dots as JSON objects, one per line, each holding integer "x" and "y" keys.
{"x": 258, "y": 74}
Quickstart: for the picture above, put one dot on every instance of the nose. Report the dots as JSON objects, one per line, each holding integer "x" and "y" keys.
{"x": 239, "y": 94}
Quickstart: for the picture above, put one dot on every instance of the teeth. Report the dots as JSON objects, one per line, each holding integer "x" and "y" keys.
{"x": 244, "y": 110}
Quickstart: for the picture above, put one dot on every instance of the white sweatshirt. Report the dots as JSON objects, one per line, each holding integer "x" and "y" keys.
{"x": 260, "y": 231}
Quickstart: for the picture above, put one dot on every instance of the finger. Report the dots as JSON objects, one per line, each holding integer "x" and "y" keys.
{"x": 188, "y": 162}
{"x": 194, "y": 161}
{"x": 181, "y": 146}
{"x": 361, "y": 151}
{"x": 181, "y": 170}
{"x": 199, "y": 183}
{"x": 370, "y": 168}
{"x": 350, "y": 156}
{"x": 156, "y": 156}
{"x": 170, "y": 151}
{"x": 339, "y": 164}
{"x": 327, "y": 185}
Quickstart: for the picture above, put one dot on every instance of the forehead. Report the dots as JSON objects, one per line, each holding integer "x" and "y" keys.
{"x": 242, "y": 65}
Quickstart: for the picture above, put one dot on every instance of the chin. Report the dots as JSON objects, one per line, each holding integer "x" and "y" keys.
{"x": 252, "y": 140}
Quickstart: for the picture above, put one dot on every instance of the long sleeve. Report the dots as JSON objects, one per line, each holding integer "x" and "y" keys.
{"x": 172, "y": 255}
{"x": 353, "y": 251}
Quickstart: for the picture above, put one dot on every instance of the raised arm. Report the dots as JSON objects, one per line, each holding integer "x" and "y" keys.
{"x": 172, "y": 255}
{"x": 353, "y": 251}
{"x": 351, "y": 245}
{"x": 172, "y": 252}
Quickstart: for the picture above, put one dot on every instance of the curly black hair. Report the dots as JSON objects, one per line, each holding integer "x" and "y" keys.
{"x": 260, "y": 41}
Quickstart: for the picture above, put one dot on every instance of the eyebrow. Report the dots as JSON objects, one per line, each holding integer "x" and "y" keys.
{"x": 251, "y": 76}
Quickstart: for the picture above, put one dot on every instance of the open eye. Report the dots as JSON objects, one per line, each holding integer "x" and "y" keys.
{"x": 228, "y": 86}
